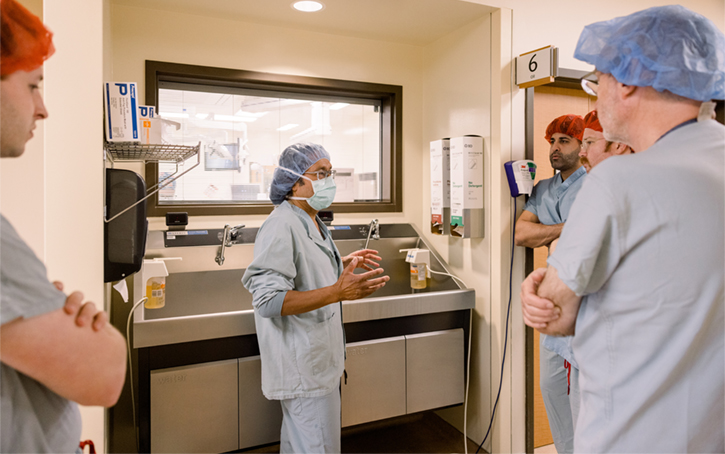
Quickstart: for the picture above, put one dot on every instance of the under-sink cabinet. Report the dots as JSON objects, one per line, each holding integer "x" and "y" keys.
{"x": 218, "y": 406}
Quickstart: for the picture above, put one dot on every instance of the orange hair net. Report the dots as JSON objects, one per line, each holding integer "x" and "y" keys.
{"x": 24, "y": 40}
{"x": 591, "y": 121}
{"x": 571, "y": 125}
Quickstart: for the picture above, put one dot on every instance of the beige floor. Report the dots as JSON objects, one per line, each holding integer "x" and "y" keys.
{"x": 548, "y": 449}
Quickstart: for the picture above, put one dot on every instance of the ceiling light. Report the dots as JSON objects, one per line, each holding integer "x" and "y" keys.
{"x": 339, "y": 105}
{"x": 287, "y": 127}
{"x": 308, "y": 6}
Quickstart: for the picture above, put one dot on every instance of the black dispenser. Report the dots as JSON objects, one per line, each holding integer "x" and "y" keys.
{"x": 124, "y": 238}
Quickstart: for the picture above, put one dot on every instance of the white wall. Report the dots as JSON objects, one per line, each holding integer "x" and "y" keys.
{"x": 537, "y": 23}
{"x": 74, "y": 160}
{"x": 457, "y": 99}
{"x": 139, "y": 35}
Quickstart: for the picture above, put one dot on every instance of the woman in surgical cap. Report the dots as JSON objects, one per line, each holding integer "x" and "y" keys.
{"x": 298, "y": 281}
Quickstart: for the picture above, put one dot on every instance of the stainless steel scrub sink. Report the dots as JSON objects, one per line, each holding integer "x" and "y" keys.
{"x": 202, "y": 292}
{"x": 205, "y": 301}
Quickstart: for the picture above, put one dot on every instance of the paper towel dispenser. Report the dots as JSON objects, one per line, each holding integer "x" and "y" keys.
{"x": 124, "y": 238}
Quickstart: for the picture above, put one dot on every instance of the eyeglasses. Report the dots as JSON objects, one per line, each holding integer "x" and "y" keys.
{"x": 321, "y": 174}
{"x": 590, "y": 86}
{"x": 589, "y": 142}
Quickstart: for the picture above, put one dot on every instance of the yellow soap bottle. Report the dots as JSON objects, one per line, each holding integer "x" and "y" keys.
{"x": 155, "y": 292}
{"x": 418, "y": 279}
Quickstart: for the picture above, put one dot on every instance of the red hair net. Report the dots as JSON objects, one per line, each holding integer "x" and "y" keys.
{"x": 571, "y": 125}
{"x": 24, "y": 40}
{"x": 591, "y": 121}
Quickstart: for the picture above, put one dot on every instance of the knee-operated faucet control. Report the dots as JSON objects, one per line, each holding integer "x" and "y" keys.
{"x": 228, "y": 237}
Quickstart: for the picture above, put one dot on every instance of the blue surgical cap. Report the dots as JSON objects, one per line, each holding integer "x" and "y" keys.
{"x": 297, "y": 158}
{"x": 667, "y": 48}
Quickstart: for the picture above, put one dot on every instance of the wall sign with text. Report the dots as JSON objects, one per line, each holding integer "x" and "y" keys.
{"x": 537, "y": 67}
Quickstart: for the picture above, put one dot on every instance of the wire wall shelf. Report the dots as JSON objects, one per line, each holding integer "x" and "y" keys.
{"x": 151, "y": 152}
{"x": 177, "y": 154}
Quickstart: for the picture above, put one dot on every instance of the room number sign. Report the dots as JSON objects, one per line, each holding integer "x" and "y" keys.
{"x": 537, "y": 67}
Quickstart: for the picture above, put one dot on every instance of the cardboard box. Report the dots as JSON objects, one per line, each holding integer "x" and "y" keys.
{"x": 440, "y": 186}
{"x": 467, "y": 187}
{"x": 121, "y": 111}
{"x": 145, "y": 114}
{"x": 157, "y": 130}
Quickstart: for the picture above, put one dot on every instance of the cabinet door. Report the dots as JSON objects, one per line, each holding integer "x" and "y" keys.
{"x": 375, "y": 386}
{"x": 260, "y": 420}
{"x": 435, "y": 367}
{"x": 194, "y": 408}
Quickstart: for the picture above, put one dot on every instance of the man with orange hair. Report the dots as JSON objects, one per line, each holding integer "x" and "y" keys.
{"x": 595, "y": 148}
{"x": 541, "y": 223}
{"x": 54, "y": 350}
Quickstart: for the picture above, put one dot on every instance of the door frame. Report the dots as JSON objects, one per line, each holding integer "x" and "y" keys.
{"x": 567, "y": 78}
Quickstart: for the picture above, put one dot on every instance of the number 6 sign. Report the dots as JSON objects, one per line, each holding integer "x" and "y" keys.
{"x": 537, "y": 67}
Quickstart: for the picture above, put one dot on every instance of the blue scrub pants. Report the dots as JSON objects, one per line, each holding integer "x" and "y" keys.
{"x": 311, "y": 424}
{"x": 561, "y": 409}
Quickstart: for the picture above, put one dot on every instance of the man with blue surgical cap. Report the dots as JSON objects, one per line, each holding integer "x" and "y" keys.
{"x": 298, "y": 282}
{"x": 639, "y": 269}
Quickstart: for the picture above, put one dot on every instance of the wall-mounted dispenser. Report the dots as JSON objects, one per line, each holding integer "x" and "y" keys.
{"x": 440, "y": 186}
{"x": 466, "y": 219}
{"x": 419, "y": 260}
{"x": 150, "y": 282}
{"x": 124, "y": 237}
{"x": 520, "y": 176}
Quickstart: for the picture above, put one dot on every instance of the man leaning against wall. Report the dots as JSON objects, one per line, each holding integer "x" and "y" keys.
{"x": 539, "y": 225}
{"x": 55, "y": 351}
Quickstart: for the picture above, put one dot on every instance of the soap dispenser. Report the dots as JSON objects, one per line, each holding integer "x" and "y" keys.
{"x": 419, "y": 260}
{"x": 154, "y": 273}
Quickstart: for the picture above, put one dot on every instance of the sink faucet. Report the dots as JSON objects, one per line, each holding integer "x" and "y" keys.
{"x": 230, "y": 234}
{"x": 374, "y": 231}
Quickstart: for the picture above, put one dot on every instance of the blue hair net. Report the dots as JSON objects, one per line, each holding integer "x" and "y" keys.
{"x": 667, "y": 48}
{"x": 297, "y": 158}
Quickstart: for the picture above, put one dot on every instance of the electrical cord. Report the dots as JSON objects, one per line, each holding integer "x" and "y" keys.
{"x": 449, "y": 274}
{"x": 130, "y": 366}
{"x": 468, "y": 382}
{"x": 506, "y": 337}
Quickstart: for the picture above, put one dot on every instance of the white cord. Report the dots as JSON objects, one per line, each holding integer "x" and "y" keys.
{"x": 468, "y": 381}
{"x": 130, "y": 365}
{"x": 448, "y": 274}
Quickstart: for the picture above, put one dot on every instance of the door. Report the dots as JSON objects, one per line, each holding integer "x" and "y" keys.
{"x": 549, "y": 103}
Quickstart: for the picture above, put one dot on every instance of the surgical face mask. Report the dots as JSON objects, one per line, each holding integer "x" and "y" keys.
{"x": 324, "y": 193}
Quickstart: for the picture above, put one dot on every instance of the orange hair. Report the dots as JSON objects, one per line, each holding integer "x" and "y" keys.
{"x": 571, "y": 125}
{"x": 25, "y": 42}
{"x": 591, "y": 121}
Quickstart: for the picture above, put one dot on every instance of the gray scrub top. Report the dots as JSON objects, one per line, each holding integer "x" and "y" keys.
{"x": 645, "y": 243}
{"x": 551, "y": 201}
{"x": 302, "y": 355}
{"x": 32, "y": 417}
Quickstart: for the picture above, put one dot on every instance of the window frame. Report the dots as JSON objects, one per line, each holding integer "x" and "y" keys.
{"x": 390, "y": 96}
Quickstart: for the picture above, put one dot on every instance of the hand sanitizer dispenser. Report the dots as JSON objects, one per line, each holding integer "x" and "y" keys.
{"x": 419, "y": 260}
{"x": 520, "y": 175}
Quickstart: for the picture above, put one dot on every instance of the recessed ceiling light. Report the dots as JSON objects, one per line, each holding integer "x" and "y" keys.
{"x": 308, "y": 6}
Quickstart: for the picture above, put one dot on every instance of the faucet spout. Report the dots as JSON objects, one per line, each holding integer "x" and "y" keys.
{"x": 230, "y": 234}
{"x": 373, "y": 231}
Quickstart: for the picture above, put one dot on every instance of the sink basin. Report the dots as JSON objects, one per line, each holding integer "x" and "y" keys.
{"x": 208, "y": 302}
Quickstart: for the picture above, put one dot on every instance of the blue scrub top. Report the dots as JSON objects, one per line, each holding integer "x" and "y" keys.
{"x": 645, "y": 244}
{"x": 551, "y": 201}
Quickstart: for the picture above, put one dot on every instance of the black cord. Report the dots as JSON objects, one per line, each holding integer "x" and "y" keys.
{"x": 506, "y": 337}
